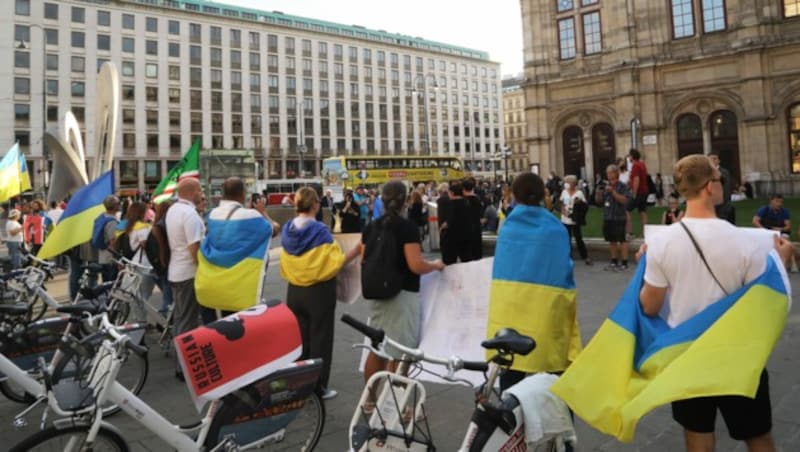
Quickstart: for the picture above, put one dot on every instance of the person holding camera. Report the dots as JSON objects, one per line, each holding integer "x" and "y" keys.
{"x": 573, "y": 214}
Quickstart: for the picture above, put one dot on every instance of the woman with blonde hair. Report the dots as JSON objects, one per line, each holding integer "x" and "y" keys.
{"x": 573, "y": 213}
{"x": 310, "y": 261}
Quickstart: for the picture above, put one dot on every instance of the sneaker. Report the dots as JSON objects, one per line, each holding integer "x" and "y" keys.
{"x": 589, "y": 262}
{"x": 329, "y": 394}
{"x": 622, "y": 267}
{"x": 611, "y": 267}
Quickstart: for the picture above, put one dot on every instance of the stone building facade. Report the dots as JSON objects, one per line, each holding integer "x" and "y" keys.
{"x": 514, "y": 125}
{"x": 670, "y": 77}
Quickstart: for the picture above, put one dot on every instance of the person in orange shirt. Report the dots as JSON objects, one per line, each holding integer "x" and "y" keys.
{"x": 33, "y": 226}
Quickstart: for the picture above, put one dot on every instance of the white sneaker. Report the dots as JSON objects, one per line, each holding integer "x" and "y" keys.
{"x": 329, "y": 394}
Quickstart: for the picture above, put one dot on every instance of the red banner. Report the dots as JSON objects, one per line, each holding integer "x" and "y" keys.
{"x": 237, "y": 350}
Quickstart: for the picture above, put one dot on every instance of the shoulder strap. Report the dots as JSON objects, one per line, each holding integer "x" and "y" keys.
{"x": 702, "y": 256}
{"x": 230, "y": 214}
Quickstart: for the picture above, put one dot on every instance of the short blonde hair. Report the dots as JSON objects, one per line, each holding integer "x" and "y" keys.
{"x": 571, "y": 179}
{"x": 692, "y": 173}
{"x": 304, "y": 199}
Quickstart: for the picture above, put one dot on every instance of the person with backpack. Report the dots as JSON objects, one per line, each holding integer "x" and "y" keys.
{"x": 104, "y": 235}
{"x": 310, "y": 261}
{"x": 156, "y": 249}
{"x": 130, "y": 245}
{"x": 390, "y": 269}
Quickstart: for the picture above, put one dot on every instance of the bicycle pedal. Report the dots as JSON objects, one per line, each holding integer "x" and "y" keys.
{"x": 20, "y": 423}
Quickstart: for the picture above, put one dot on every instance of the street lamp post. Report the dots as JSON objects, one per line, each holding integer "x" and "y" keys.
{"x": 45, "y": 156}
{"x": 506, "y": 154}
{"x": 425, "y": 112}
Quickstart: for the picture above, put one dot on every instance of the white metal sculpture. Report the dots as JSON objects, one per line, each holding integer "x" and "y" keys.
{"x": 105, "y": 130}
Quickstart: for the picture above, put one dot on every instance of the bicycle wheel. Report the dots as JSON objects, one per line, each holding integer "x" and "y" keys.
{"x": 298, "y": 429}
{"x": 72, "y": 439}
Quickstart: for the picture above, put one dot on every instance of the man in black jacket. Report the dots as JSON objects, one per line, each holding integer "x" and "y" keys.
{"x": 473, "y": 218}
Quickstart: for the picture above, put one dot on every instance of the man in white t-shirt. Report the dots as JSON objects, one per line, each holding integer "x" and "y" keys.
{"x": 185, "y": 231}
{"x": 678, "y": 285}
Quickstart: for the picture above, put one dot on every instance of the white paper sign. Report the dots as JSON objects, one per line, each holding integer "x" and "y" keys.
{"x": 348, "y": 280}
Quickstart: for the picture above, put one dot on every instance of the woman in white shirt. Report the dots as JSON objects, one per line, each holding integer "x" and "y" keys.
{"x": 571, "y": 196}
{"x": 14, "y": 238}
{"x": 136, "y": 231}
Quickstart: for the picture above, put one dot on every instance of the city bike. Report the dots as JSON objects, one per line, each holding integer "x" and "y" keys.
{"x": 282, "y": 411}
{"x": 391, "y": 411}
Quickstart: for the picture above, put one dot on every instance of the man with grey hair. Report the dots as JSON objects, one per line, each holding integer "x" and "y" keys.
{"x": 108, "y": 221}
{"x": 614, "y": 197}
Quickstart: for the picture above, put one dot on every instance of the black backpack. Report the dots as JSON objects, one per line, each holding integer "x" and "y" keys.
{"x": 381, "y": 279}
{"x": 156, "y": 248}
{"x": 123, "y": 245}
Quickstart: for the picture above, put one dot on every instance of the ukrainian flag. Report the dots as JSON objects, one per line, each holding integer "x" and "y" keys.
{"x": 77, "y": 221}
{"x": 533, "y": 289}
{"x": 231, "y": 263}
{"x": 635, "y": 363}
{"x": 310, "y": 255}
{"x": 14, "y": 177}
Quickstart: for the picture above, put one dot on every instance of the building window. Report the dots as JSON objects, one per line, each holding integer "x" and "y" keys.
{"x": 690, "y": 135}
{"x": 128, "y": 116}
{"x": 103, "y": 42}
{"x": 254, "y": 40}
{"x": 151, "y": 47}
{"x": 195, "y": 55}
{"x": 682, "y": 19}
{"x": 174, "y": 50}
{"x": 791, "y": 8}
{"x": 78, "y": 64}
{"x": 174, "y": 72}
{"x": 78, "y": 39}
{"x": 22, "y": 7}
{"x": 151, "y": 93}
{"x": 151, "y": 24}
{"x": 22, "y": 112}
{"x": 22, "y": 59}
{"x": 52, "y": 87}
{"x": 566, "y": 38}
{"x": 51, "y": 36}
{"x": 103, "y": 18}
{"x": 195, "y": 32}
{"x": 128, "y": 22}
{"x": 128, "y": 69}
{"x": 128, "y": 142}
{"x": 78, "y": 15}
{"x": 78, "y": 89}
{"x": 128, "y": 92}
{"x": 51, "y": 11}
{"x": 174, "y": 27}
{"x": 52, "y": 112}
{"x": 592, "y": 37}
{"x": 128, "y": 45}
{"x": 151, "y": 70}
{"x": 793, "y": 115}
{"x": 713, "y": 15}
{"x": 23, "y": 137}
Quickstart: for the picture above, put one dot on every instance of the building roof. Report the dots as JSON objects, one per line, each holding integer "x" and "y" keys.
{"x": 321, "y": 26}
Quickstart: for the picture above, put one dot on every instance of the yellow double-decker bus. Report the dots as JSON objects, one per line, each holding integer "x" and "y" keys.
{"x": 351, "y": 171}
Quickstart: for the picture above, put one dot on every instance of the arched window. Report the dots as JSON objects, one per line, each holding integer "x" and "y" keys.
{"x": 690, "y": 134}
{"x": 573, "y": 149}
{"x": 793, "y": 115}
{"x": 724, "y": 128}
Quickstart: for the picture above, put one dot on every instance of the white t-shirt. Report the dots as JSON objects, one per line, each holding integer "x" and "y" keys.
{"x": 568, "y": 201}
{"x": 137, "y": 239}
{"x": 673, "y": 262}
{"x": 184, "y": 227}
{"x": 55, "y": 214}
{"x": 13, "y": 224}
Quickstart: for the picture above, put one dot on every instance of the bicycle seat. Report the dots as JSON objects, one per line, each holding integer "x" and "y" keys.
{"x": 11, "y": 275}
{"x": 93, "y": 267}
{"x": 90, "y": 293}
{"x": 79, "y": 308}
{"x": 509, "y": 340}
{"x": 14, "y": 309}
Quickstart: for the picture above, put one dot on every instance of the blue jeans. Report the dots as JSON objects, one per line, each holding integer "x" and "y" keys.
{"x": 15, "y": 254}
{"x": 166, "y": 292}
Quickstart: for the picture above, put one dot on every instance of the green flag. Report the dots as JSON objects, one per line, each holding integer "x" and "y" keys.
{"x": 189, "y": 166}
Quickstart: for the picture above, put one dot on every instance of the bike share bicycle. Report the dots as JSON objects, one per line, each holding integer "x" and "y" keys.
{"x": 391, "y": 411}
{"x": 282, "y": 409}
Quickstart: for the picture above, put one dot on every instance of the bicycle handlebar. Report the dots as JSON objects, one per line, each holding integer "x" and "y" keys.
{"x": 379, "y": 340}
{"x": 110, "y": 329}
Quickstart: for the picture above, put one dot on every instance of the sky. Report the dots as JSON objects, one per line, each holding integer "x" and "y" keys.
{"x": 494, "y": 27}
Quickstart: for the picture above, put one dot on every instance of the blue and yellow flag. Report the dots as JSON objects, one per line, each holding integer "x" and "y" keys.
{"x": 533, "y": 289}
{"x": 232, "y": 261}
{"x": 14, "y": 177}
{"x": 309, "y": 255}
{"x": 636, "y": 363}
{"x": 77, "y": 221}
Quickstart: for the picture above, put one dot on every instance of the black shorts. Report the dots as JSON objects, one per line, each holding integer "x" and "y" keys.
{"x": 614, "y": 231}
{"x": 746, "y": 418}
{"x": 638, "y": 203}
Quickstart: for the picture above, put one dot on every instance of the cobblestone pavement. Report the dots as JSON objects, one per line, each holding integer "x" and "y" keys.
{"x": 449, "y": 407}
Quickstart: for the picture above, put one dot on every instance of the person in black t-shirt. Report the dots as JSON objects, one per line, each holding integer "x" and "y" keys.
{"x": 474, "y": 215}
{"x": 457, "y": 227}
{"x": 399, "y": 317}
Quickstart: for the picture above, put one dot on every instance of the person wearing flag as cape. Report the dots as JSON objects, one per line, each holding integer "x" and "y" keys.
{"x": 533, "y": 288}
{"x": 695, "y": 328}
{"x": 690, "y": 266}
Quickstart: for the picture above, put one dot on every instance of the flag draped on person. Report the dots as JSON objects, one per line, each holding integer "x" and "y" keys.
{"x": 232, "y": 260}
{"x": 14, "y": 177}
{"x": 189, "y": 166}
{"x": 636, "y": 363}
{"x": 77, "y": 221}
{"x": 533, "y": 289}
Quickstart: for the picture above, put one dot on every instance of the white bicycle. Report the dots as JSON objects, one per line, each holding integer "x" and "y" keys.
{"x": 282, "y": 410}
{"x": 391, "y": 412}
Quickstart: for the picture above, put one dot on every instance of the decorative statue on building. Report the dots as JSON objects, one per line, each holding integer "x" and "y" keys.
{"x": 67, "y": 150}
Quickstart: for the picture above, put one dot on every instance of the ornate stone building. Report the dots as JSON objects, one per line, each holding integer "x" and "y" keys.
{"x": 514, "y": 126}
{"x": 671, "y": 77}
